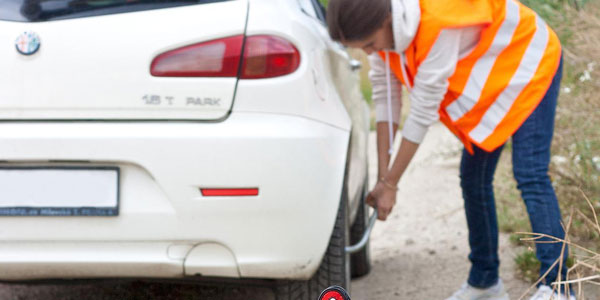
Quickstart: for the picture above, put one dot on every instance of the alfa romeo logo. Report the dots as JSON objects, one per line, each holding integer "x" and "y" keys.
{"x": 28, "y": 43}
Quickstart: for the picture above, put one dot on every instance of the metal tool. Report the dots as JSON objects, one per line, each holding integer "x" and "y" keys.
{"x": 363, "y": 241}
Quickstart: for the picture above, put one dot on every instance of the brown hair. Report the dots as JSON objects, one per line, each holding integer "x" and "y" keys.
{"x": 351, "y": 20}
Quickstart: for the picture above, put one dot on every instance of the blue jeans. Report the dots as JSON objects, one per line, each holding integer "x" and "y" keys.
{"x": 530, "y": 159}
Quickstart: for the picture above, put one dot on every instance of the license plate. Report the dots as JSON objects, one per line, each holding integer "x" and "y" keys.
{"x": 59, "y": 191}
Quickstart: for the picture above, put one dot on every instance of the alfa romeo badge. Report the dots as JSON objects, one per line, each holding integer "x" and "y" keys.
{"x": 28, "y": 43}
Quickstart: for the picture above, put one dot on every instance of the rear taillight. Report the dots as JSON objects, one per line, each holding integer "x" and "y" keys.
{"x": 265, "y": 56}
{"x": 268, "y": 56}
{"x": 218, "y": 58}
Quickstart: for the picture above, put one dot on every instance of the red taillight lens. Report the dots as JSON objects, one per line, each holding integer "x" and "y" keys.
{"x": 218, "y": 58}
{"x": 268, "y": 56}
{"x": 265, "y": 56}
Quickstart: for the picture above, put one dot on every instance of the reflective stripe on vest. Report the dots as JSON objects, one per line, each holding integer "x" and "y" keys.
{"x": 497, "y": 86}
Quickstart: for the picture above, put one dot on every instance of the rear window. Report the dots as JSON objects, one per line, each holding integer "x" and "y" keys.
{"x": 46, "y": 10}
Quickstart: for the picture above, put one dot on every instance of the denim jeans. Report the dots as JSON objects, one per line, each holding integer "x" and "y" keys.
{"x": 530, "y": 159}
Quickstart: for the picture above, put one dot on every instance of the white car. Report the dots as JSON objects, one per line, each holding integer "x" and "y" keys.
{"x": 179, "y": 139}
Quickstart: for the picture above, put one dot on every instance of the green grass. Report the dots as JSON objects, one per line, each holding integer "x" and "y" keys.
{"x": 528, "y": 265}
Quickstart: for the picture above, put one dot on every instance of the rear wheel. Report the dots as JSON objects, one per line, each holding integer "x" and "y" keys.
{"x": 333, "y": 270}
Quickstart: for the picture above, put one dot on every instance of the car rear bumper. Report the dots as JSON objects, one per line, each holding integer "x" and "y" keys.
{"x": 165, "y": 226}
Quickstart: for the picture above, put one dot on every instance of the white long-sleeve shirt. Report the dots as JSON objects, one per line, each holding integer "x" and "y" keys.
{"x": 431, "y": 80}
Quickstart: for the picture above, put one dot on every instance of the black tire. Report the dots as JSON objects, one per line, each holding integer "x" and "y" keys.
{"x": 360, "y": 262}
{"x": 333, "y": 270}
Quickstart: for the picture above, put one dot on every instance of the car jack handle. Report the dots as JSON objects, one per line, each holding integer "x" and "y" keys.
{"x": 363, "y": 241}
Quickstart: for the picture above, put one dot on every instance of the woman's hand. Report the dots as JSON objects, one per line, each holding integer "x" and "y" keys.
{"x": 383, "y": 198}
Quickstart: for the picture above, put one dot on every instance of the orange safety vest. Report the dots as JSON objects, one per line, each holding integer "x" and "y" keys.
{"x": 498, "y": 85}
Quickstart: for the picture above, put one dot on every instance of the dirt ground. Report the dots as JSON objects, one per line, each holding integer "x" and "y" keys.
{"x": 420, "y": 252}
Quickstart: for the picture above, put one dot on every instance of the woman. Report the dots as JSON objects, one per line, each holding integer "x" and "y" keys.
{"x": 490, "y": 70}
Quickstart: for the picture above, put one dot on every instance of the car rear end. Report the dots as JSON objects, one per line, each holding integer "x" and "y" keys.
{"x": 165, "y": 139}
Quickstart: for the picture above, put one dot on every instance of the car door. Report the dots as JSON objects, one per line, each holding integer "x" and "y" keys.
{"x": 343, "y": 71}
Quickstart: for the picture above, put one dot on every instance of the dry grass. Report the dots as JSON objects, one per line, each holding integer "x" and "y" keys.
{"x": 576, "y": 148}
{"x": 586, "y": 268}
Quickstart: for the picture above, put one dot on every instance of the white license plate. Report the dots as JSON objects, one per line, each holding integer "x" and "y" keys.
{"x": 59, "y": 191}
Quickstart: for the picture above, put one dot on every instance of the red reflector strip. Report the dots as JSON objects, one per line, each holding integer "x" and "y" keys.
{"x": 229, "y": 192}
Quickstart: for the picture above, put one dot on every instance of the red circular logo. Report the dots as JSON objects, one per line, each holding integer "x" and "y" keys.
{"x": 332, "y": 295}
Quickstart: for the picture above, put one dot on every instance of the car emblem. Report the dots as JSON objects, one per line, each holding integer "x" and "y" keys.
{"x": 28, "y": 43}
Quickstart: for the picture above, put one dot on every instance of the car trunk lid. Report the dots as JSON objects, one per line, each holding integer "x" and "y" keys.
{"x": 98, "y": 67}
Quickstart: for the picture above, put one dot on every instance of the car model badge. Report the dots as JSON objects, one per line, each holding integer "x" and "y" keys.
{"x": 28, "y": 43}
